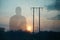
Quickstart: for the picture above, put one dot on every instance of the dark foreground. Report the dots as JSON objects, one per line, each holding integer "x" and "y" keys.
{"x": 21, "y": 35}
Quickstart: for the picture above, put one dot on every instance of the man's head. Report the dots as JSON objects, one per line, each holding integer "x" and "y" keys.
{"x": 18, "y": 11}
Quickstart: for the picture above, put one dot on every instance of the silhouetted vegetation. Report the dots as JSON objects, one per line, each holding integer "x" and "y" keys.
{"x": 22, "y": 35}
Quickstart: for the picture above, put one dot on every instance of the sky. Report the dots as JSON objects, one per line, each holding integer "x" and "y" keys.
{"x": 10, "y": 5}
{"x": 7, "y": 9}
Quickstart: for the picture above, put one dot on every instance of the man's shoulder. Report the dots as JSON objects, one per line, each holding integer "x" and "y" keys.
{"x": 23, "y": 16}
{"x": 15, "y": 16}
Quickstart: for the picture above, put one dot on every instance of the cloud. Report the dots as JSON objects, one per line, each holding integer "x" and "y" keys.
{"x": 50, "y": 14}
{"x": 54, "y": 6}
{"x": 57, "y": 4}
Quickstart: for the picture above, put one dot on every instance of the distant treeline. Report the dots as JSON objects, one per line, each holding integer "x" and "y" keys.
{"x": 22, "y": 35}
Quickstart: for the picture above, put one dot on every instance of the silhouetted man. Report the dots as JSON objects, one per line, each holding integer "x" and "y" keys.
{"x": 17, "y": 22}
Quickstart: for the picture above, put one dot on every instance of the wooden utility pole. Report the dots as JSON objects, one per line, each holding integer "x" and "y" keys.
{"x": 33, "y": 20}
{"x": 39, "y": 19}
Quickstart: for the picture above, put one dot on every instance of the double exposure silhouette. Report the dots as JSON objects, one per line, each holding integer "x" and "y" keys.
{"x": 17, "y": 22}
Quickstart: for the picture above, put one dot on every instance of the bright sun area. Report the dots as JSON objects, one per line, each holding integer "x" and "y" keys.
{"x": 29, "y": 28}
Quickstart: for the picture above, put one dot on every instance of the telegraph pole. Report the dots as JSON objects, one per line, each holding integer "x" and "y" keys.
{"x": 39, "y": 19}
{"x": 33, "y": 20}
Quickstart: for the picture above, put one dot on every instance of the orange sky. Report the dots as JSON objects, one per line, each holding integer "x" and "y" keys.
{"x": 44, "y": 23}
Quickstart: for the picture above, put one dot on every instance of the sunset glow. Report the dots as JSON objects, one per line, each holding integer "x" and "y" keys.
{"x": 29, "y": 28}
